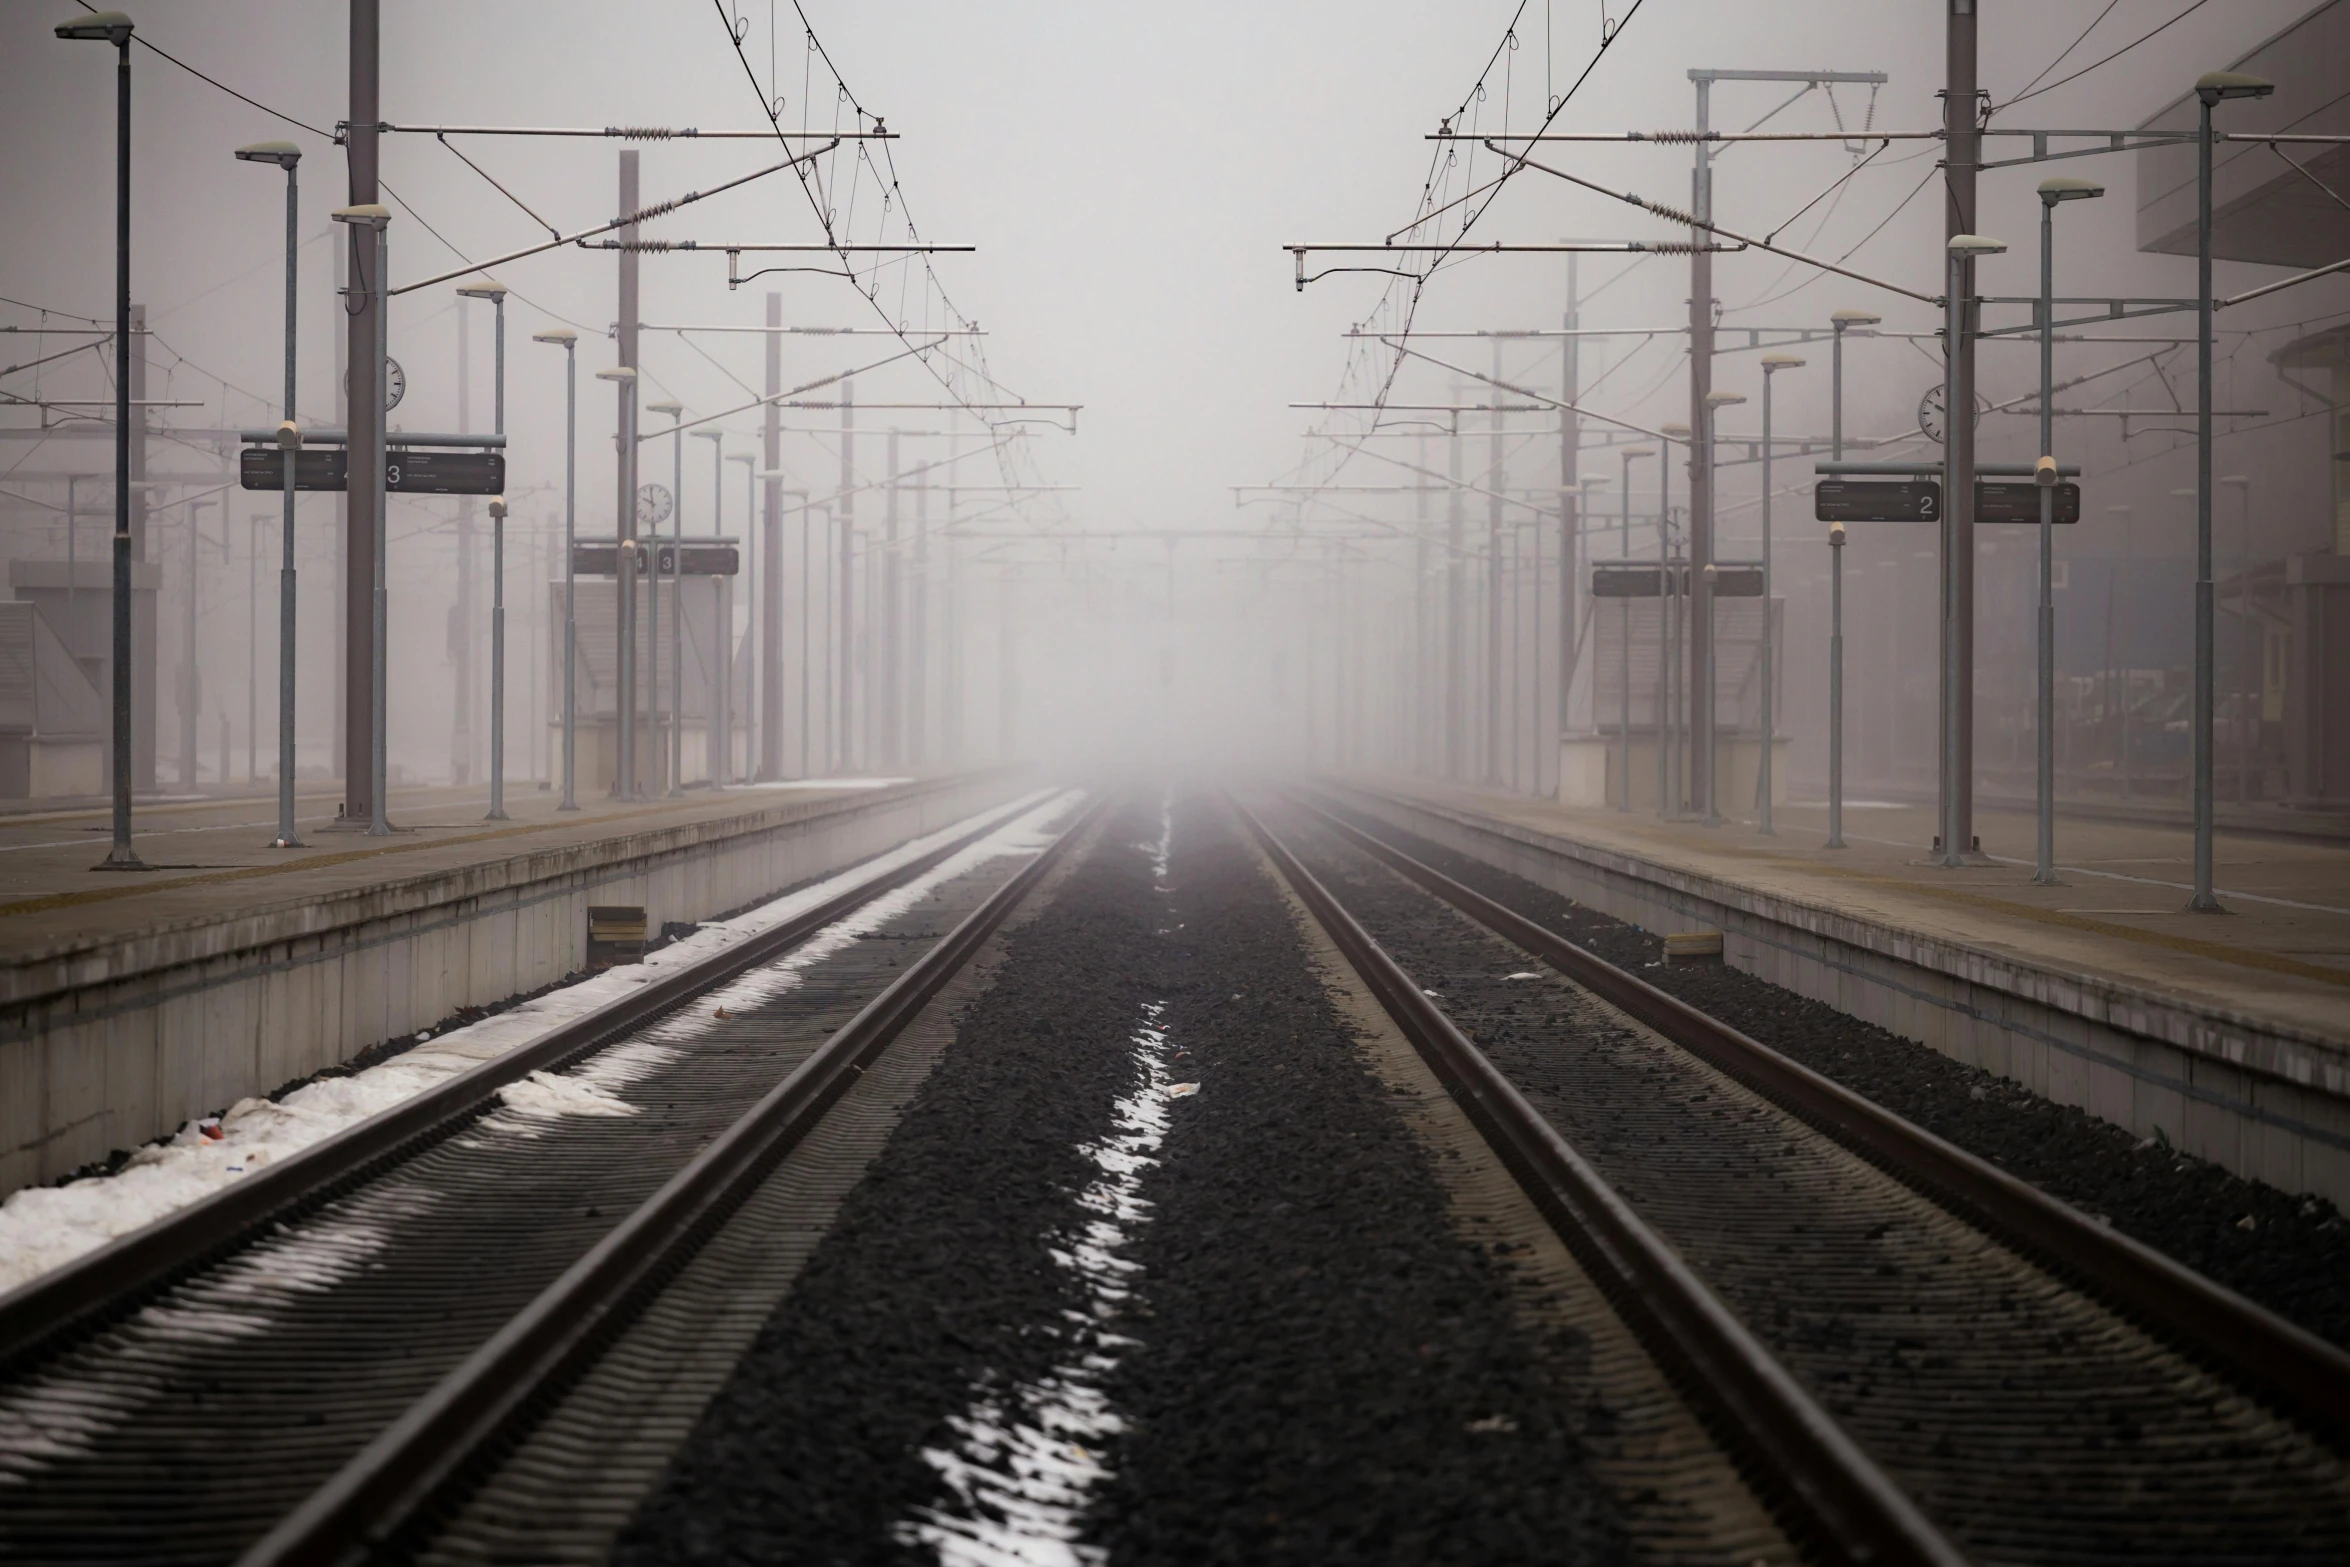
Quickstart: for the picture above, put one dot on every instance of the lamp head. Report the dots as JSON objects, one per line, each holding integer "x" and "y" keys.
{"x": 487, "y": 288}
{"x": 1640, "y": 451}
{"x": 2211, "y": 86}
{"x": 282, "y": 153}
{"x": 1677, "y": 432}
{"x": 707, "y": 435}
{"x": 2044, "y": 473}
{"x": 2069, "y": 187}
{"x": 2236, "y": 481}
{"x": 1836, "y": 534}
{"x": 368, "y": 215}
{"x": 669, "y": 406}
{"x": 99, "y": 26}
{"x": 562, "y": 336}
{"x": 1723, "y": 399}
{"x": 497, "y": 508}
{"x": 742, "y": 457}
{"x": 768, "y": 475}
{"x": 1772, "y": 362}
{"x": 289, "y": 435}
{"x": 2186, "y": 494}
{"x": 1967, "y": 247}
{"x": 617, "y": 373}
{"x": 1840, "y": 319}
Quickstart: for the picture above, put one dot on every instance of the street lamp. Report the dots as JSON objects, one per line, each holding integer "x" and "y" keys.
{"x": 2053, "y": 191}
{"x": 495, "y": 292}
{"x": 115, "y": 28}
{"x": 288, "y": 157}
{"x": 568, "y": 340}
{"x": 2241, "y": 483}
{"x": 376, "y": 219}
{"x": 2211, "y": 88}
{"x": 1958, "y": 558}
{"x": 676, "y": 752}
{"x": 719, "y": 731}
{"x": 624, "y": 548}
{"x": 1840, "y": 321}
{"x": 1771, "y": 365}
{"x": 1715, "y": 402}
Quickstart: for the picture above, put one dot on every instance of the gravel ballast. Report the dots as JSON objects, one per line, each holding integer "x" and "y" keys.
{"x": 1230, "y": 1322}
{"x": 2288, "y": 1251}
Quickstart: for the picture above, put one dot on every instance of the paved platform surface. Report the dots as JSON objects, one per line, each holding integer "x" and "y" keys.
{"x": 211, "y": 858}
{"x": 2280, "y": 956}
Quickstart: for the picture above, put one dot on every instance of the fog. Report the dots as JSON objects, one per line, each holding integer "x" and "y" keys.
{"x": 1188, "y": 569}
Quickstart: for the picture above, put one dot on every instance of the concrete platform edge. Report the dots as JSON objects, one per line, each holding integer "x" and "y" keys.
{"x": 122, "y": 1041}
{"x": 2264, "y": 1100}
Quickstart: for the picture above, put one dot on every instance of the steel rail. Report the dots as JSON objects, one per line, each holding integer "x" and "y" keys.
{"x": 1831, "y": 1492}
{"x": 376, "y": 1502}
{"x": 97, "y": 1286}
{"x": 2291, "y": 1367}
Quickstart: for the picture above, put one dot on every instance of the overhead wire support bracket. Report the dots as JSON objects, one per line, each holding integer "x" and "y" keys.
{"x": 1444, "y": 253}
{"x": 619, "y": 132}
{"x": 658, "y": 209}
{"x": 1683, "y": 138}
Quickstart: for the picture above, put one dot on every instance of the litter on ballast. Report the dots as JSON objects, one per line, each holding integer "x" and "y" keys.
{"x": 1181, "y": 1090}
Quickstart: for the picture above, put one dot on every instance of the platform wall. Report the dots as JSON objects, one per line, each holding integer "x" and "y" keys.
{"x": 109, "y": 1047}
{"x": 2257, "y": 1101}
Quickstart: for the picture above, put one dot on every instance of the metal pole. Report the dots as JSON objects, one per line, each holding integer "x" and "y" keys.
{"x": 2044, "y": 759}
{"x": 461, "y": 650}
{"x": 1668, "y": 635}
{"x": 252, "y": 648}
{"x": 1836, "y": 603}
{"x": 1624, "y": 620}
{"x": 286, "y": 837}
{"x": 378, "y": 768}
{"x": 498, "y": 593}
{"x": 625, "y": 779}
{"x": 364, "y": 419}
{"x": 718, "y": 742}
{"x": 1570, "y": 529}
{"x": 1763, "y": 763}
{"x": 1495, "y": 481}
{"x": 676, "y": 611}
{"x": 1958, "y": 534}
{"x": 570, "y": 605}
{"x": 2204, "y": 900}
{"x": 770, "y": 608}
{"x": 845, "y": 573}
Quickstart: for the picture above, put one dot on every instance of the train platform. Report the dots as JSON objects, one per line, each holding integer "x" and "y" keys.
{"x": 131, "y": 1002}
{"x": 2227, "y": 1035}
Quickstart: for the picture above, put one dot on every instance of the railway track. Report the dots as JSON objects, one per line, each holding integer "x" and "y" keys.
{"x": 1921, "y": 1358}
{"x": 315, "y": 1363}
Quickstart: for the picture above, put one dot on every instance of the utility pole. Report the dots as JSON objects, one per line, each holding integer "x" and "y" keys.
{"x": 846, "y": 572}
{"x": 1570, "y": 524}
{"x": 626, "y": 782}
{"x": 363, "y": 419}
{"x": 1701, "y": 454}
{"x": 1962, "y": 150}
{"x": 1456, "y": 629}
{"x": 461, "y": 623}
{"x": 892, "y": 715}
{"x": 191, "y": 680}
{"x": 770, "y": 607}
{"x": 1496, "y": 482}
{"x": 1423, "y": 650}
{"x": 918, "y": 634}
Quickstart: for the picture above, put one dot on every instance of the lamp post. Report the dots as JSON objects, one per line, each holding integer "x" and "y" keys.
{"x": 2211, "y": 89}
{"x": 376, "y": 219}
{"x": 1840, "y": 321}
{"x": 754, "y": 733}
{"x": 718, "y": 733}
{"x": 2053, "y": 192}
{"x": 495, "y": 293}
{"x": 115, "y": 28}
{"x": 1624, "y": 625}
{"x": 568, "y": 340}
{"x": 2123, "y": 581}
{"x": 1958, "y": 551}
{"x": 1715, "y": 402}
{"x": 1772, "y": 364}
{"x": 624, "y": 783}
{"x": 288, "y": 157}
{"x": 2241, "y": 483}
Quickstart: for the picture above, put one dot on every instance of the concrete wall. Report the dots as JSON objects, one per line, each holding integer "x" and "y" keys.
{"x": 110, "y": 1044}
{"x": 2255, "y": 1099}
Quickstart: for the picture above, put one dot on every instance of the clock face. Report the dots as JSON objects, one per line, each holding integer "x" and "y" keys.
{"x": 653, "y": 503}
{"x": 395, "y": 384}
{"x": 1930, "y": 409}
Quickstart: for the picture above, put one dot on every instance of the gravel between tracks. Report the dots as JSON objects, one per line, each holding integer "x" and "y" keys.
{"x": 2289, "y": 1252}
{"x": 1311, "y": 1365}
